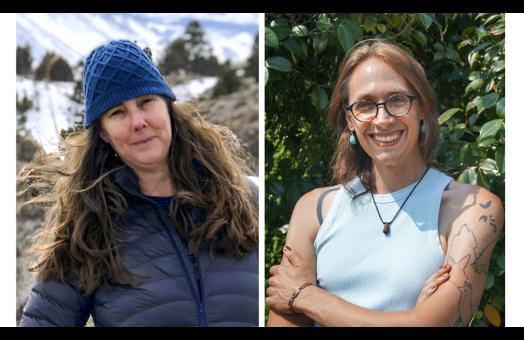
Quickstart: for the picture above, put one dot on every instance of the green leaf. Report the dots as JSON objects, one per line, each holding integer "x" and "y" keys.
{"x": 354, "y": 28}
{"x": 501, "y": 261}
{"x": 492, "y": 18}
{"x": 483, "y": 181}
{"x": 474, "y": 75}
{"x": 481, "y": 32}
{"x": 271, "y": 38}
{"x": 447, "y": 115}
{"x": 501, "y": 105}
{"x": 293, "y": 45}
{"x": 319, "y": 98}
{"x": 473, "y": 119}
{"x": 300, "y": 30}
{"x": 472, "y": 104}
{"x": 453, "y": 55}
{"x": 281, "y": 28}
{"x": 320, "y": 43}
{"x": 472, "y": 57}
{"x": 370, "y": 23}
{"x": 381, "y": 28}
{"x": 490, "y": 281}
{"x": 279, "y": 63}
{"x": 487, "y": 101}
{"x": 499, "y": 157}
{"x": 474, "y": 85}
{"x": 323, "y": 23}
{"x": 344, "y": 38}
{"x": 266, "y": 75}
{"x": 439, "y": 47}
{"x": 426, "y": 20}
{"x": 489, "y": 166}
{"x": 498, "y": 66}
{"x": 420, "y": 38}
{"x": 486, "y": 142}
{"x": 468, "y": 176}
{"x": 490, "y": 129}
{"x": 489, "y": 85}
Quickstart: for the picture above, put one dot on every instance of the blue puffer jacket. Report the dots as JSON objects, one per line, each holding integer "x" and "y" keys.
{"x": 180, "y": 290}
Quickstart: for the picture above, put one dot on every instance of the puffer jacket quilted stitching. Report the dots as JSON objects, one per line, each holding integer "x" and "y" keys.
{"x": 214, "y": 292}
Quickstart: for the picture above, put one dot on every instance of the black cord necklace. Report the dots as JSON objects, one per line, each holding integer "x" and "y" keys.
{"x": 387, "y": 225}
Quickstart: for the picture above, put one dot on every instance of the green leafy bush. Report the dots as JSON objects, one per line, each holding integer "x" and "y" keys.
{"x": 463, "y": 55}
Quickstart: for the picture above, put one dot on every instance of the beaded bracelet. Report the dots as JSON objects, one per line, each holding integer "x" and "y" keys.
{"x": 295, "y": 294}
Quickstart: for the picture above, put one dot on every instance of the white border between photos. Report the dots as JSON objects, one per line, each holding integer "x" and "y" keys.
{"x": 7, "y": 177}
{"x": 261, "y": 171}
{"x": 514, "y": 179}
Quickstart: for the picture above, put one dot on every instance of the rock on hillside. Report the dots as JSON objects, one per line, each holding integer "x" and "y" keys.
{"x": 239, "y": 112}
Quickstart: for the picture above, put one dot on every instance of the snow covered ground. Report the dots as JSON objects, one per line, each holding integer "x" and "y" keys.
{"x": 53, "y": 109}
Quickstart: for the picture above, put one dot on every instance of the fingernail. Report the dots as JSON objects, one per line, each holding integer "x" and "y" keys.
{"x": 445, "y": 275}
{"x": 433, "y": 286}
{"x": 286, "y": 248}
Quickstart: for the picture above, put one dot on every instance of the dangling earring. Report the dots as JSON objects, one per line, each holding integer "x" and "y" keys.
{"x": 422, "y": 126}
{"x": 352, "y": 139}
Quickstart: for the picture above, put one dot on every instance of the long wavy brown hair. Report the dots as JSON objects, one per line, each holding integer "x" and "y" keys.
{"x": 350, "y": 161}
{"x": 83, "y": 227}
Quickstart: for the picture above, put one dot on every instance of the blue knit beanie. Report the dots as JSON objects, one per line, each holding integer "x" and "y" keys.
{"x": 116, "y": 72}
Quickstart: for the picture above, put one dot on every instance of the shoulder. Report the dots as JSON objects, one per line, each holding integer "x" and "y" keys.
{"x": 468, "y": 198}
{"x": 308, "y": 202}
{"x": 305, "y": 212}
{"x": 473, "y": 207}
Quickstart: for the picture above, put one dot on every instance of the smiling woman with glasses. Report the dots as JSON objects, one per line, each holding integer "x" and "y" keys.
{"x": 397, "y": 242}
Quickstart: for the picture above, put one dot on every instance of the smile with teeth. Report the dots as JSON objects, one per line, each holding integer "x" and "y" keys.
{"x": 387, "y": 138}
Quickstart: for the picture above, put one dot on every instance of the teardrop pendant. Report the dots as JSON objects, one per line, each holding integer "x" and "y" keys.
{"x": 386, "y": 229}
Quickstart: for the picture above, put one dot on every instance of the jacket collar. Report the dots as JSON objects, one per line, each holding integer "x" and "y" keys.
{"x": 127, "y": 180}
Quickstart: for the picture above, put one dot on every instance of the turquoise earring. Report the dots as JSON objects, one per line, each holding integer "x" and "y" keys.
{"x": 352, "y": 139}
{"x": 422, "y": 126}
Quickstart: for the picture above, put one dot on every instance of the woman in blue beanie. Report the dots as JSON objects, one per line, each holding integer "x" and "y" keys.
{"x": 152, "y": 220}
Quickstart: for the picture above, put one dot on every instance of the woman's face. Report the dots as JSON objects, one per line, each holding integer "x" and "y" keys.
{"x": 386, "y": 139}
{"x": 139, "y": 130}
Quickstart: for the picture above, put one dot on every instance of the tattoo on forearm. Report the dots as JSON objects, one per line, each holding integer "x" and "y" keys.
{"x": 464, "y": 306}
{"x": 478, "y": 266}
{"x": 475, "y": 259}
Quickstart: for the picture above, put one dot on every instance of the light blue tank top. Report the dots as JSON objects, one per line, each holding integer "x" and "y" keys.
{"x": 359, "y": 263}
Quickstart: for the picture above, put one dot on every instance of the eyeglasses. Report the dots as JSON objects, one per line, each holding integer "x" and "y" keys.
{"x": 366, "y": 110}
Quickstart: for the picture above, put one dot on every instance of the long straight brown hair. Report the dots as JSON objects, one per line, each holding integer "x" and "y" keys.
{"x": 83, "y": 225}
{"x": 350, "y": 161}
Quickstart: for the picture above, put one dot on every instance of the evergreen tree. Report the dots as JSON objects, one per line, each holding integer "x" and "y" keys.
{"x": 252, "y": 63}
{"x": 55, "y": 68}
{"x": 23, "y": 60}
{"x": 228, "y": 82}
{"x": 190, "y": 53}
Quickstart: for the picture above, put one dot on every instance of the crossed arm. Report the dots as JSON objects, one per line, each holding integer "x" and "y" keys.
{"x": 477, "y": 221}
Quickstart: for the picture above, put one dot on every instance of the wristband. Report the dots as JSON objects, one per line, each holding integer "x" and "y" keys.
{"x": 295, "y": 294}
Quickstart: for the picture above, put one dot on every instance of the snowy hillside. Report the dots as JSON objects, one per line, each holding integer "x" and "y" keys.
{"x": 53, "y": 110}
{"x": 74, "y": 35}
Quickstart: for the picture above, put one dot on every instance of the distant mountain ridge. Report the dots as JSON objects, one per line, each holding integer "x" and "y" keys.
{"x": 73, "y": 35}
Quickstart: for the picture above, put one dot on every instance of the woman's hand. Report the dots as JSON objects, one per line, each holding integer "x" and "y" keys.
{"x": 431, "y": 285}
{"x": 285, "y": 278}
